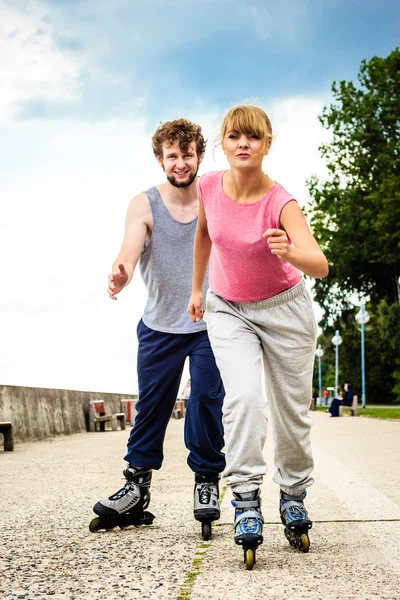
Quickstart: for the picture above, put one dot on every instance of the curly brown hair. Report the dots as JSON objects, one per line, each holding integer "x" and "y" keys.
{"x": 182, "y": 130}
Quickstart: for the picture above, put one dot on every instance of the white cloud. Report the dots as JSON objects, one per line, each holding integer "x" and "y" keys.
{"x": 97, "y": 58}
{"x": 61, "y": 224}
{"x": 298, "y": 133}
{"x": 64, "y": 190}
{"x": 31, "y": 64}
{"x": 287, "y": 17}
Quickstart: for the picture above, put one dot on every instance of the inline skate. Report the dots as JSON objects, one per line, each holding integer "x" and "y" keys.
{"x": 295, "y": 519}
{"x": 206, "y": 507}
{"x": 248, "y": 524}
{"x": 127, "y": 506}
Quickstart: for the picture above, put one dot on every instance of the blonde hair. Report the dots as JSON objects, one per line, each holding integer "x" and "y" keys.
{"x": 249, "y": 120}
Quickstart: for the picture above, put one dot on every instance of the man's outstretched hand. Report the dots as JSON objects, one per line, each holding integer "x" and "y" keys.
{"x": 117, "y": 281}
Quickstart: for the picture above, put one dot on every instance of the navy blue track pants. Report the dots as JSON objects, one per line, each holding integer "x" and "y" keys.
{"x": 161, "y": 357}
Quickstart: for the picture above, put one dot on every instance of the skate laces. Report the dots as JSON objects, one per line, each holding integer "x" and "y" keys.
{"x": 205, "y": 493}
{"x": 128, "y": 487}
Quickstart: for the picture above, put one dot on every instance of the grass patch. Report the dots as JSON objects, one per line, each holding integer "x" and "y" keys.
{"x": 198, "y": 559}
{"x": 186, "y": 591}
{"x": 374, "y": 412}
{"x": 380, "y": 413}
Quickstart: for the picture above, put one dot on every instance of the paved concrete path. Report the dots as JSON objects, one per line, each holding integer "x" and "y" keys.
{"x": 47, "y": 490}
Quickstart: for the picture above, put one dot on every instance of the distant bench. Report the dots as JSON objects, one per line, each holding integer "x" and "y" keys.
{"x": 128, "y": 407}
{"x": 353, "y": 408}
{"x": 6, "y": 430}
{"x": 179, "y": 409}
{"x": 98, "y": 416}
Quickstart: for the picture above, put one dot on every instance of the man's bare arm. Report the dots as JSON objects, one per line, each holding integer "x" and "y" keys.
{"x": 138, "y": 225}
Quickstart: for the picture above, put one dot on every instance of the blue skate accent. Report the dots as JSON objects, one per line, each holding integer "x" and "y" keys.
{"x": 295, "y": 519}
{"x": 249, "y": 521}
{"x": 293, "y": 511}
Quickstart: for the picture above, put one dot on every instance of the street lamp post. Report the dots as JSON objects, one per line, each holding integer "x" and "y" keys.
{"x": 336, "y": 341}
{"x": 362, "y": 317}
{"x": 319, "y": 352}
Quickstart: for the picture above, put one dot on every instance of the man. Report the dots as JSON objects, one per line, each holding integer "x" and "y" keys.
{"x": 325, "y": 394}
{"x": 186, "y": 394}
{"x": 159, "y": 234}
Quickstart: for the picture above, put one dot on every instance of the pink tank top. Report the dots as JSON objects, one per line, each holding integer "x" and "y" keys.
{"x": 242, "y": 268}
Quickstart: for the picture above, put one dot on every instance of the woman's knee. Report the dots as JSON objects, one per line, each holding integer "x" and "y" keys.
{"x": 248, "y": 400}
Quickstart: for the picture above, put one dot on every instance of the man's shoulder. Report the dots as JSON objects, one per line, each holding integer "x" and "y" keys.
{"x": 141, "y": 197}
{"x": 139, "y": 206}
{"x": 145, "y": 195}
{"x": 160, "y": 188}
{"x": 140, "y": 200}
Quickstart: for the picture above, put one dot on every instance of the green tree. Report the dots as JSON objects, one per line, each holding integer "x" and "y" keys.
{"x": 382, "y": 353}
{"x": 388, "y": 326}
{"x": 355, "y": 213}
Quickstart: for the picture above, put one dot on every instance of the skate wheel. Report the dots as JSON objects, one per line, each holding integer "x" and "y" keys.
{"x": 305, "y": 542}
{"x": 206, "y": 531}
{"x": 148, "y": 518}
{"x": 138, "y": 526}
{"x": 249, "y": 558}
{"x": 94, "y": 525}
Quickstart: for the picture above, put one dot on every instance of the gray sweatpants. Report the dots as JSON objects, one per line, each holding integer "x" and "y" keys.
{"x": 276, "y": 338}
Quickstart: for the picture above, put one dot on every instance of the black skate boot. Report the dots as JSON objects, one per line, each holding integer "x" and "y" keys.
{"x": 125, "y": 507}
{"x": 206, "y": 507}
{"x": 248, "y": 524}
{"x": 295, "y": 519}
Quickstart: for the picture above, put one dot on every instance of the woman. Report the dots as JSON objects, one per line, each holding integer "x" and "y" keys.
{"x": 260, "y": 320}
{"x": 346, "y": 400}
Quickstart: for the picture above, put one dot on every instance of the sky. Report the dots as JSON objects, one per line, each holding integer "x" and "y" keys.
{"x": 83, "y": 86}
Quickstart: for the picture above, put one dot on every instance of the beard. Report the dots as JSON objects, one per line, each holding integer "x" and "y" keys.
{"x": 182, "y": 184}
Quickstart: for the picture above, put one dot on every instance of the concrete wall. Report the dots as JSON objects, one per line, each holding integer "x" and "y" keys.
{"x": 38, "y": 413}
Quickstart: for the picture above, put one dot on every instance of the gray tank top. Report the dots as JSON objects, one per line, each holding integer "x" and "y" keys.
{"x": 166, "y": 266}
